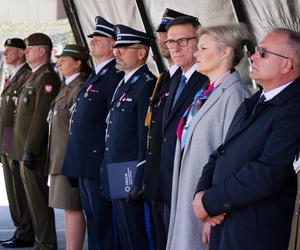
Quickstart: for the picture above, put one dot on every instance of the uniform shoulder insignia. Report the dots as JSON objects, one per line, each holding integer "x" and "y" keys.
{"x": 103, "y": 72}
{"x": 148, "y": 77}
{"x": 134, "y": 79}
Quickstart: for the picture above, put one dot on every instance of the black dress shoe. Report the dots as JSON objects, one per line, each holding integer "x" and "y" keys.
{"x": 16, "y": 243}
{"x": 3, "y": 241}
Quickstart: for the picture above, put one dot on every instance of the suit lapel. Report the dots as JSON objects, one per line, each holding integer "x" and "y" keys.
{"x": 125, "y": 88}
{"x": 211, "y": 101}
{"x": 190, "y": 85}
{"x": 65, "y": 89}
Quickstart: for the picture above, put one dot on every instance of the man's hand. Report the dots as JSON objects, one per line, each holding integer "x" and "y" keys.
{"x": 136, "y": 194}
{"x": 206, "y": 233}
{"x": 28, "y": 160}
{"x": 198, "y": 208}
{"x": 216, "y": 220}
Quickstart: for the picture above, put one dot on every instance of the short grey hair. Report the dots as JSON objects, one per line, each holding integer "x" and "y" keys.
{"x": 233, "y": 35}
{"x": 293, "y": 43}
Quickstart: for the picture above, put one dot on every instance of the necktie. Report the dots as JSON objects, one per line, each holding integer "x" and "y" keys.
{"x": 179, "y": 89}
{"x": 260, "y": 100}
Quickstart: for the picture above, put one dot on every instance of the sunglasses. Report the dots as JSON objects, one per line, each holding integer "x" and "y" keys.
{"x": 262, "y": 52}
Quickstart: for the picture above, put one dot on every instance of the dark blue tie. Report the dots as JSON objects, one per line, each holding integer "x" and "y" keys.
{"x": 179, "y": 89}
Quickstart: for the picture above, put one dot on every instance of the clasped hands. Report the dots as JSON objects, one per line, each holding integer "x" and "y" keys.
{"x": 201, "y": 213}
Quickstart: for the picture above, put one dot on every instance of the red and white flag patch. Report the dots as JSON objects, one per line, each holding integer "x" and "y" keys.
{"x": 48, "y": 88}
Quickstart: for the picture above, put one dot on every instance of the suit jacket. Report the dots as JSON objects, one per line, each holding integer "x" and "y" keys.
{"x": 207, "y": 131}
{"x": 60, "y": 123}
{"x": 171, "y": 118}
{"x": 154, "y": 138}
{"x": 88, "y": 124}
{"x": 8, "y": 104}
{"x": 251, "y": 177}
{"x": 30, "y": 133}
{"x": 126, "y": 132}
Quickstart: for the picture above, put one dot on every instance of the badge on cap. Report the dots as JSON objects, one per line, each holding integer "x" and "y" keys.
{"x": 48, "y": 88}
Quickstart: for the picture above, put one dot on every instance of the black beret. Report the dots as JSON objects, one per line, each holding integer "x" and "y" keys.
{"x": 15, "y": 42}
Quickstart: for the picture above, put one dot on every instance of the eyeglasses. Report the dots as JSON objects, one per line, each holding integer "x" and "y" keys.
{"x": 182, "y": 42}
{"x": 262, "y": 52}
{"x": 122, "y": 50}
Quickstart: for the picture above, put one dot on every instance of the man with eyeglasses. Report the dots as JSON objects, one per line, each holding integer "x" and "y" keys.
{"x": 182, "y": 43}
{"x": 126, "y": 135}
{"x": 249, "y": 181}
{"x": 154, "y": 140}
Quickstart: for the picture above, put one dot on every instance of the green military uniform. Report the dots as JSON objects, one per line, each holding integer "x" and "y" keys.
{"x": 30, "y": 134}
{"x": 14, "y": 187}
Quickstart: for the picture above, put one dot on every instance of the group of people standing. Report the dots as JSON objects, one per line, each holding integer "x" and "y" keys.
{"x": 213, "y": 165}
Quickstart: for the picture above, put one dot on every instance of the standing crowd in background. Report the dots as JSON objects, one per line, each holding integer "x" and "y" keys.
{"x": 186, "y": 160}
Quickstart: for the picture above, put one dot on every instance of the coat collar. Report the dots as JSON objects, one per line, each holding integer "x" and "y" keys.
{"x": 245, "y": 119}
{"x": 211, "y": 101}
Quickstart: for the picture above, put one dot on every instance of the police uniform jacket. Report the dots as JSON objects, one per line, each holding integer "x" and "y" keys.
{"x": 154, "y": 138}
{"x": 60, "y": 122}
{"x": 126, "y": 133}
{"x": 171, "y": 118}
{"x": 8, "y": 104}
{"x": 88, "y": 123}
{"x": 250, "y": 177}
{"x": 30, "y": 133}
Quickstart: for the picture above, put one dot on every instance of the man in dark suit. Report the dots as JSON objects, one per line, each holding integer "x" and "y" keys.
{"x": 154, "y": 139}
{"x": 14, "y": 55}
{"x": 126, "y": 132}
{"x": 182, "y": 43}
{"x": 86, "y": 143}
{"x": 250, "y": 178}
{"x": 30, "y": 136}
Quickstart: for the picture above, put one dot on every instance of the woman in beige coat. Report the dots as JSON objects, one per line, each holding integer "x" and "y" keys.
{"x": 64, "y": 193}
{"x": 204, "y": 126}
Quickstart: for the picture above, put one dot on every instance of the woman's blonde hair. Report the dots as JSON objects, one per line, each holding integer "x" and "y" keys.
{"x": 235, "y": 36}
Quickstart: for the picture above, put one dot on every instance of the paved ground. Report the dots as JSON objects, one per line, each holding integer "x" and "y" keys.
{"x": 7, "y": 227}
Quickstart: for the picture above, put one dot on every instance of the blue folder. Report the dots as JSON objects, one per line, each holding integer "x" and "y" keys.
{"x": 118, "y": 179}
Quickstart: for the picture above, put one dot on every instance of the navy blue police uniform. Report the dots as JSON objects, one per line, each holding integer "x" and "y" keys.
{"x": 86, "y": 145}
{"x": 127, "y": 139}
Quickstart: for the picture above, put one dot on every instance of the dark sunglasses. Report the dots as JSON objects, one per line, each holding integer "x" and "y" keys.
{"x": 262, "y": 52}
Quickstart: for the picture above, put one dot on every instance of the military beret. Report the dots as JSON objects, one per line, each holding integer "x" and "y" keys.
{"x": 103, "y": 28}
{"x": 167, "y": 17}
{"x": 128, "y": 36}
{"x": 15, "y": 42}
{"x": 38, "y": 39}
{"x": 75, "y": 51}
